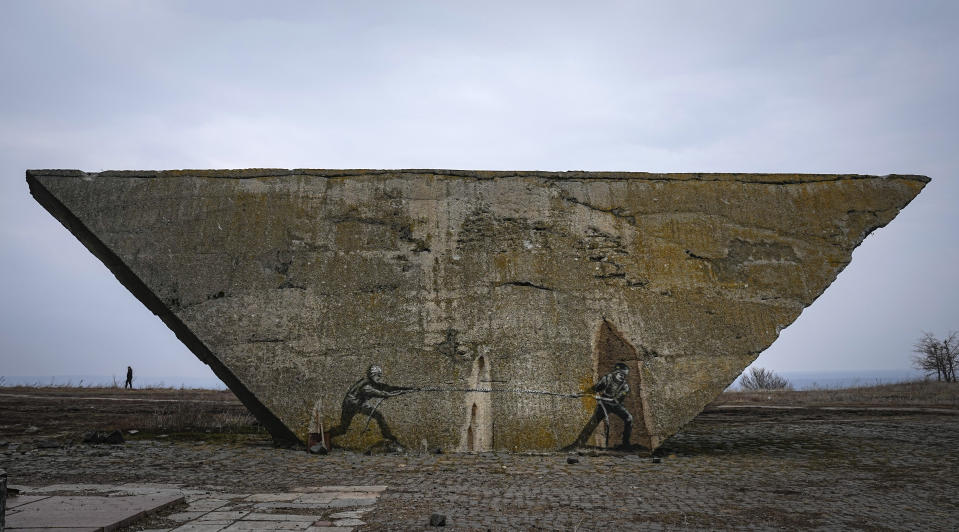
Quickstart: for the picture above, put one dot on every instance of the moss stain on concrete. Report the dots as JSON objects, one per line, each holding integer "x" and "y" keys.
{"x": 290, "y": 283}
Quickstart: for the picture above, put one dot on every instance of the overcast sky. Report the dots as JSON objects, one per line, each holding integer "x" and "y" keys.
{"x": 822, "y": 87}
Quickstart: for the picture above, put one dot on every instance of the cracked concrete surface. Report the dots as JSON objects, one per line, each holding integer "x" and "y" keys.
{"x": 290, "y": 283}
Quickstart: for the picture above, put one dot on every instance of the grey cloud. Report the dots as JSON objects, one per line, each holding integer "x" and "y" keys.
{"x": 693, "y": 86}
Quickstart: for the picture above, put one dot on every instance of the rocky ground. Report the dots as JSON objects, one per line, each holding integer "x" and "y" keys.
{"x": 739, "y": 465}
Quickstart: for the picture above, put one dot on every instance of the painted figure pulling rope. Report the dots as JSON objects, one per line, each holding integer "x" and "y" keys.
{"x": 611, "y": 390}
{"x": 365, "y": 397}
{"x": 367, "y": 394}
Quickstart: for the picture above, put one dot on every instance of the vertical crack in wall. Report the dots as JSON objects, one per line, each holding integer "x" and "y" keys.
{"x": 612, "y": 347}
{"x": 477, "y": 433}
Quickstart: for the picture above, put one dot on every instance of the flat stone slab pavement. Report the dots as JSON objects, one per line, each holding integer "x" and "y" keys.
{"x": 93, "y": 507}
{"x": 82, "y": 513}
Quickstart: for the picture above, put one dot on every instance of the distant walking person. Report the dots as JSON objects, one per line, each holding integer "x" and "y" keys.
{"x": 129, "y": 382}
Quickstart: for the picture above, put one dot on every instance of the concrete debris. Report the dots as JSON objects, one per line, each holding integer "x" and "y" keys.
{"x": 95, "y": 437}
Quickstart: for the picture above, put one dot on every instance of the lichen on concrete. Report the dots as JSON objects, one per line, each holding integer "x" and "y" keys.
{"x": 499, "y": 296}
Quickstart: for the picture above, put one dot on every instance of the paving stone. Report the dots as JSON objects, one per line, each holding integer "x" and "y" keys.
{"x": 207, "y": 504}
{"x": 316, "y": 497}
{"x": 225, "y": 516}
{"x": 83, "y": 511}
{"x": 348, "y": 522}
{"x": 149, "y": 485}
{"x": 74, "y": 488}
{"x": 346, "y": 503}
{"x": 272, "y": 497}
{"x": 236, "y": 507}
{"x": 356, "y": 494}
{"x": 279, "y": 517}
{"x": 190, "y": 497}
{"x": 222, "y": 495}
{"x": 196, "y": 527}
{"x": 182, "y": 517}
{"x": 269, "y": 525}
{"x": 315, "y": 489}
{"x": 58, "y": 529}
{"x": 292, "y": 505}
{"x": 13, "y": 502}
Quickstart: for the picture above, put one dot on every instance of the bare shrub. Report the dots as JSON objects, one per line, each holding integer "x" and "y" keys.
{"x": 763, "y": 379}
{"x": 922, "y": 393}
{"x": 937, "y": 357}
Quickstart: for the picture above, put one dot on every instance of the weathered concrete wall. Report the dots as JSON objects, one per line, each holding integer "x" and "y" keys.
{"x": 502, "y": 295}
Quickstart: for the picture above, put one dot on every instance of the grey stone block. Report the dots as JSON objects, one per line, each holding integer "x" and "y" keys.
{"x": 88, "y": 512}
{"x": 494, "y": 298}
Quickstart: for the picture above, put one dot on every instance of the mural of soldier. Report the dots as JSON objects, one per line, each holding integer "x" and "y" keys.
{"x": 365, "y": 397}
{"x": 611, "y": 390}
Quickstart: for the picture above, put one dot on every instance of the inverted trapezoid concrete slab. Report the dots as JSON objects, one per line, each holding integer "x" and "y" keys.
{"x": 501, "y": 310}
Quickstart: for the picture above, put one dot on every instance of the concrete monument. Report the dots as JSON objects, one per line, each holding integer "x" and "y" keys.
{"x": 473, "y": 310}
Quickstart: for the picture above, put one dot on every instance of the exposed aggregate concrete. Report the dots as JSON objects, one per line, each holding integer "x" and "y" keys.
{"x": 500, "y": 298}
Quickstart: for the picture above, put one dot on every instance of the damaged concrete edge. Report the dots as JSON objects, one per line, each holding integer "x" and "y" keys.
{"x": 840, "y": 267}
{"x": 573, "y": 175}
{"x": 281, "y": 434}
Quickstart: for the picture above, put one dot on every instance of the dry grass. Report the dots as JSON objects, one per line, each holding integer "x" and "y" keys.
{"x": 185, "y": 417}
{"x": 67, "y": 412}
{"x": 117, "y": 384}
{"x": 149, "y": 392}
{"x": 902, "y": 394}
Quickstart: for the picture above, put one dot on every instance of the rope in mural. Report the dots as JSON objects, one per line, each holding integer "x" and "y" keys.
{"x": 369, "y": 417}
{"x": 600, "y": 399}
{"x": 368, "y": 394}
{"x": 490, "y": 390}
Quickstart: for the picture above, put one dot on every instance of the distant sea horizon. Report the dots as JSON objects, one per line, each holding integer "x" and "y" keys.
{"x": 812, "y": 380}
{"x": 800, "y": 380}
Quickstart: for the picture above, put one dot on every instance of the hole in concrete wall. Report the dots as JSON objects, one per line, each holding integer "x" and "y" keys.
{"x": 611, "y": 348}
{"x": 470, "y": 433}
